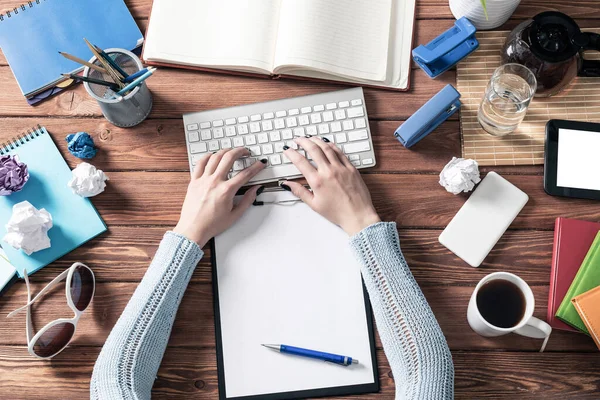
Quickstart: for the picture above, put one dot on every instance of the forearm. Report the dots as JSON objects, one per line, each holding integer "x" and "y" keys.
{"x": 127, "y": 365}
{"x": 412, "y": 339}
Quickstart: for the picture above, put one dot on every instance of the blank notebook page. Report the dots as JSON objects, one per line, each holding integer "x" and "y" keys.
{"x": 287, "y": 276}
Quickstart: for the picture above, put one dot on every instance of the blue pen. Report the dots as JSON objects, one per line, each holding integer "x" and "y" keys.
{"x": 319, "y": 355}
{"x": 133, "y": 77}
{"x": 137, "y": 82}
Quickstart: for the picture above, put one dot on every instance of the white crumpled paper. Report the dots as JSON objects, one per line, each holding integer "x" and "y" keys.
{"x": 87, "y": 181}
{"x": 460, "y": 175}
{"x": 28, "y": 228}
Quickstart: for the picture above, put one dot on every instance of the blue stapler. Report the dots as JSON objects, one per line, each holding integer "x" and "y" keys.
{"x": 443, "y": 52}
{"x": 438, "y": 109}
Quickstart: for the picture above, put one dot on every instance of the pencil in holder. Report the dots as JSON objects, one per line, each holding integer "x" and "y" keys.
{"x": 122, "y": 111}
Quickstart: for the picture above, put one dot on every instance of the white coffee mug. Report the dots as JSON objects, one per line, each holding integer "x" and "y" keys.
{"x": 529, "y": 325}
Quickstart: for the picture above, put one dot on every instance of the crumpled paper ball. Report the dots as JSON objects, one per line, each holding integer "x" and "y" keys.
{"x": 81, "y": 145}
{"x": 460, "y": 175}
{"x": 13, "y": 175}
{"x": 28, "y": 228}
{"x": 87, "y": 181}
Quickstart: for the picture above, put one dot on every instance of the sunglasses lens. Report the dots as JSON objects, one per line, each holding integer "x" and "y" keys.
{"x": 54, "y": 339}
{"x": 82, "y": 287}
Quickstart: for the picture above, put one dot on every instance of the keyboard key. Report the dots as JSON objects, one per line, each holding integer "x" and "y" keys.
{"x": 357, "y": 135}
{"x": 267, "y": 125}
{"x": 250, "y": 140}
{"x": 255, "y": 117}
{"x": 340, "y": 114}
{"x": 268, "y": 115}
{"x": 341, "y": 138}
{"x": 356, "y": 102}
{"x": 331, "y": 106}
{"x": 323, "y": 129}
{"x": 299, "y": 132}
{"x": 249, "y": 161}
{"x": 311, "y": 130}
{"x": 193, "y": 136}
{"x": 355, "y": 163}
{"x": 367, "y": 161}
{"x": 230, "y": 131}
{"x": 254, "y": 151}
{"x": 279, "y": 123}
{"x": 278, "y": 147}
{"x": 230, "y": 121}
{"x": 213, "y": 146}
{"x": 305, "y": 110}
{"x": 267, "y": 148}
{"x": 218, "y": 122}
{"x": 355, "y": 112}
{"x": 292, "y": 145}
{"x": 196, "y": 157}
{"x": 287, "y": 134}
{"x": 218, "y": 133}
{"x": 275, "y": 159}
{"x": 276, "y": 172}
{"x": 199, "y": 147}
{"x": 293, "y": 111}
{"x": 254, "y": 127}
{"x": 291, "y": 122}
{"x": 238, "y": 165}
{"x": 226, "y": 143}
{"x": 238, "y": 141}
{"x": 336, "y": 126}
{"x": 328, "y": 116}
{"x": 262, "y": 138}
{"x": 275, "y": 136}
{"x": 285, "y": 159}
{"x": 280, "y": 114}
{"x": 243, "y": 120}
{"x": 315, "y": 118}
{"x": 192, "y": 127}
{"x": 320, "y": 107}
{"x": 357, "y": 147}
{"x": 347, "y": 125}
{"x": 242, "y": 129}
{"x": 360, "y": 123}
{"x": 205, "y": 135}
{"x": 343, "y": 104}
{"x": 303, "y": 120}
{"x": 204, "y": 125}
{"x": 353, "y": 157}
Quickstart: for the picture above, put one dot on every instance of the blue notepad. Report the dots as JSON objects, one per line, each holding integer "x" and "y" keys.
{"x": 74, "y": 218}
{"x": 32, "y": 37}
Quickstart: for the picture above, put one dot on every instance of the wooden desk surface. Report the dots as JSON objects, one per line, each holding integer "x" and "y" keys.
{"x": 148, "y": 171}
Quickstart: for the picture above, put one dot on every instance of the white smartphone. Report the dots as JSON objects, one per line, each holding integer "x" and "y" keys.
{"x": 483, "y": 219}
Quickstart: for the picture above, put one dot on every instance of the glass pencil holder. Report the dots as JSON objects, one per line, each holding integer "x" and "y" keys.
{"x": 122, "y": 111}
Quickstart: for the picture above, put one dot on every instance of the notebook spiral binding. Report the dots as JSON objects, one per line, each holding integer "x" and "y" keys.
{"x": 18, "y": 9}
{"x": 19, "y": 140}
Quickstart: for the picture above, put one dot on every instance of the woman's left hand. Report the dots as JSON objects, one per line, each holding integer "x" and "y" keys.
{"x": 208, "y": 208}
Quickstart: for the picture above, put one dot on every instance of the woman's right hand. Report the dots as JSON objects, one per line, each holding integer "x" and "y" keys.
{"x": 338, "y": 191}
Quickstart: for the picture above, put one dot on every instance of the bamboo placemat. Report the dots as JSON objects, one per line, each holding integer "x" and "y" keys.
{"x": 579, "y": 102}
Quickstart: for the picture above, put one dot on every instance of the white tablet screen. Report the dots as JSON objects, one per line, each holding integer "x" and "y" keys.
{"x": 578, "y": 164}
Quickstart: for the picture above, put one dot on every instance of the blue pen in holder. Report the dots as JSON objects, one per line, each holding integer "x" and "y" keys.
{"x": 123, "y": 111}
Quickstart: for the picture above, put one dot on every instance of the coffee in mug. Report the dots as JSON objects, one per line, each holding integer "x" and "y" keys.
{"x": 501, "y": 303}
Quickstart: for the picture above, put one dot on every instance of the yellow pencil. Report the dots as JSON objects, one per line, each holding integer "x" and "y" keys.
{"x": 111, "y": 71}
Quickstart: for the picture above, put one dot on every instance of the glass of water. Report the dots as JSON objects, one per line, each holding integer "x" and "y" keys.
{"x": 506, "y": 99}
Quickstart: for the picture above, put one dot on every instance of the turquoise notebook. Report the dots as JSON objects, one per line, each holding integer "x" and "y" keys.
{"x": 74, "y": 218}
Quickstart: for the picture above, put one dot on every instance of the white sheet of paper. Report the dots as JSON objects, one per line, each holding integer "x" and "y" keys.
{"x": 288, "y": 276}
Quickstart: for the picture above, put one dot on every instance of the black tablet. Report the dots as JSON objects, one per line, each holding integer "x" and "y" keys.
{"x": 572, "y": 159}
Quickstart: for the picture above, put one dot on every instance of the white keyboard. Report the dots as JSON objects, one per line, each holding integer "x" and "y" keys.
{"x": 264, "y": 128}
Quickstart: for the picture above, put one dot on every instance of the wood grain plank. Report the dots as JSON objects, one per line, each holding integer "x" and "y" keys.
{"x": 412, "y": 200}
{"x": 194, "y": 325}
{"x": 124, "y": 253}
{"x": 191, "y": 374}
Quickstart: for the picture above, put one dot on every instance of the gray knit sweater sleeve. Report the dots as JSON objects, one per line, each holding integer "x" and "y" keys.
{"x": 412, "y": 339}
{"x": 127, "y": 365}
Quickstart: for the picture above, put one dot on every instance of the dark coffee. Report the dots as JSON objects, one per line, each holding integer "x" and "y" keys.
{"x": 501, "y": 303}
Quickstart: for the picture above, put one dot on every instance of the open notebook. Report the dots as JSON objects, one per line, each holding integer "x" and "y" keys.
{"x": 285, "y": 275}
{"x": 366, "y": 42}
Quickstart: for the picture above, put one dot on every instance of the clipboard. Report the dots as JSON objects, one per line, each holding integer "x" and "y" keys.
{"x": 249, "y": 304}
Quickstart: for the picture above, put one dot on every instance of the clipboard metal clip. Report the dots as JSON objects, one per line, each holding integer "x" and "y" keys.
{"x": 446, "y": 50}
{"x": 438, "y": 109}
{"x": 287, "y": 202}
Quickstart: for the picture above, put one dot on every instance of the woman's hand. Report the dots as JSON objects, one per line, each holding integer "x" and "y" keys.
{"x": 338, "y": 191}
{"x": 208, "y": 208}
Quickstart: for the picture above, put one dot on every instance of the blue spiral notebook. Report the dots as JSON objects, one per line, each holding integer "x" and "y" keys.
{"x": 74, "y": 218}
{"x": 32, "y": 34}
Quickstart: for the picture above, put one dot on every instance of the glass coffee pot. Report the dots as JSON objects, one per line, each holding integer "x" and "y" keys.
{"x": 551, "y": 45}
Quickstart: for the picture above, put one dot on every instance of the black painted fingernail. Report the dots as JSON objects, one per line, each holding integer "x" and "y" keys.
{"x": 325, "y": 139}
{"x": 264, "y": 161}
{"x": 214, "y": 152}
{"x": 286, "y": 147}
{"x": 285, "y": 187}
{"x": 260, "y": 190}
{"x": 307, "y": 136}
